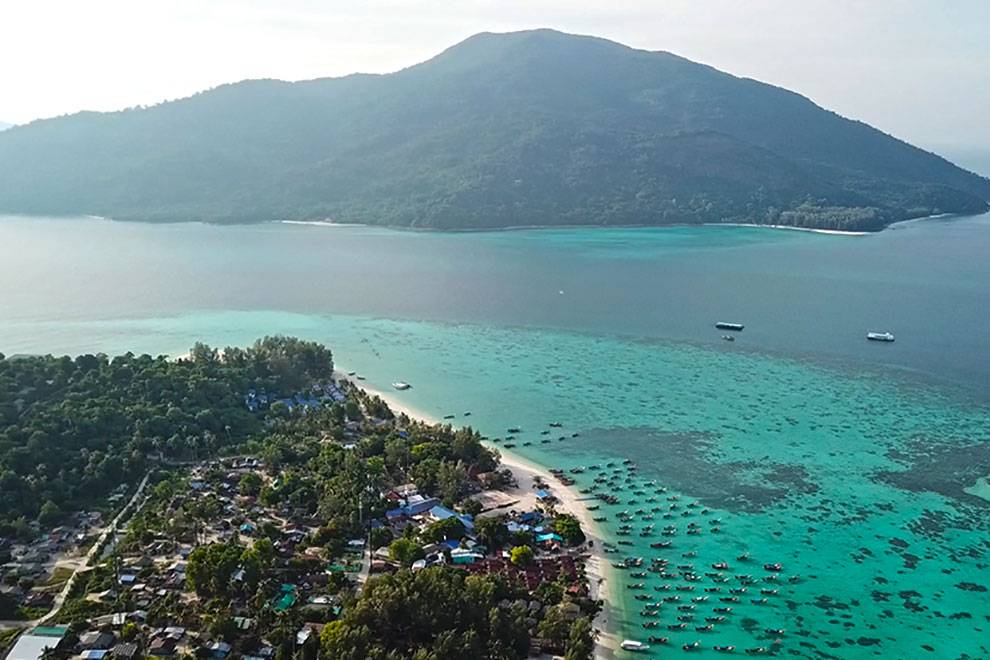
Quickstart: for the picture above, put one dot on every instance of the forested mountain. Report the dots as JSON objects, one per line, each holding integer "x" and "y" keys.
{"x": 526, "y": 128}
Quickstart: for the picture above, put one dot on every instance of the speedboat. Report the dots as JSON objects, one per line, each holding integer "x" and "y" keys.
{"x": 633, "y": 645}
{"x": 879, "y": 336}
{"x": 725, "y": 325}
{"x": 399, "y": 385}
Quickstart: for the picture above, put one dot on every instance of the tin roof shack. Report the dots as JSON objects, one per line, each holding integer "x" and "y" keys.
{"x": 32, "y": 645}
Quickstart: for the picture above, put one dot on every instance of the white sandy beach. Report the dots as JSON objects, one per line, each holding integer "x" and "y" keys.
{"x": 320, "y": 223}
{"x": 833, "y": 232}
{"x": 601, "y": 576}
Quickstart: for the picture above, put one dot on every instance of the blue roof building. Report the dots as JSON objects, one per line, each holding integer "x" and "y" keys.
{"x": 530, "y": 517}
{"x": 418, "y": 504}
{"x": 442, "y": 513}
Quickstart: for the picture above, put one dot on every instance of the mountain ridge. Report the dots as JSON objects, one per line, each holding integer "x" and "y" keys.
{"x": 535, "y": 128}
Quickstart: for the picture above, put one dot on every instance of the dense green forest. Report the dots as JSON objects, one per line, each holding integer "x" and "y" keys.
{"x": 528, "y": 128}
{"x": 72, "y": 430}
{"x": 438, "y": 614}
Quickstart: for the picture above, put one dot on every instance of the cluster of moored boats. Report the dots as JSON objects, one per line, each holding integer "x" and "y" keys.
{"x": 636, "y": 646}
{"x": 675, "y": 595}
{"x": 512, "y": 438}
{"x": 698, "y": 599}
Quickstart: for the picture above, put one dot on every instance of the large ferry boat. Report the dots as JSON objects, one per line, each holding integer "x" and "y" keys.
{"x": 879, "y": 336}
{"x": 724, "y": 325}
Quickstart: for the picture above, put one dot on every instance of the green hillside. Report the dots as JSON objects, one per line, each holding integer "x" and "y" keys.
{"x": 526, "y": 128}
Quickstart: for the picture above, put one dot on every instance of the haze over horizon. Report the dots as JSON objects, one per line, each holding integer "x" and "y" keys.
{"x": 915, "y": 69}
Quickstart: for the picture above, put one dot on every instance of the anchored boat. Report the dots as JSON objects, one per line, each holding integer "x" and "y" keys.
{"x": 879, "y": 336}
{"x": 724, "y": 325}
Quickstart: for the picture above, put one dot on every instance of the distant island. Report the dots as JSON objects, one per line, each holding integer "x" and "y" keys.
{"x": 535, "y": 128}
{"x": 4, "y": 125}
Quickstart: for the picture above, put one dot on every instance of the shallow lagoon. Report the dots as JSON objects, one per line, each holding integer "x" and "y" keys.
{"x": 846, "y": 467}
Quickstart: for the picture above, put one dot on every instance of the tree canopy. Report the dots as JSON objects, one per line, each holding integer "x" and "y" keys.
{"x": 74, "y": 429}
{"x": 432, "y": 614}
{"x": 569, "y": 528}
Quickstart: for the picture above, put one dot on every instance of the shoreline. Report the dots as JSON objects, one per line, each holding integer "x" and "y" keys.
{"x": 482, "y": 230}
{"x": 601, "y": 577}
{"x": 810, "y": 230}
{"x": 513, "y": 228}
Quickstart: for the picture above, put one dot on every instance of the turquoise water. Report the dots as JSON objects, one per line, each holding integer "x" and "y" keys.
{"x": 846, "y": 462}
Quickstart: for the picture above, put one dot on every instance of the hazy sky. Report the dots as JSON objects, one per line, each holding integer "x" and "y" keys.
{"x": 915, "y": 68}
